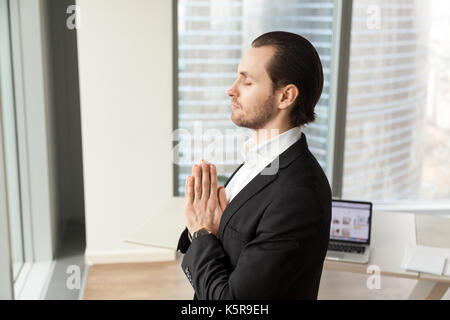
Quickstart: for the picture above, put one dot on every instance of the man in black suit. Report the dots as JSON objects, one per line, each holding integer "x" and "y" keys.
{"x": 264, "y": 235}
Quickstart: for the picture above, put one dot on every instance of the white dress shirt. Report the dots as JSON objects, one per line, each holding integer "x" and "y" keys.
{"x": 256, "y": 158}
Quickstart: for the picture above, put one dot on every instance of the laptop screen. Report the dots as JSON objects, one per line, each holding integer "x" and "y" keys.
{"x": 350, "y": 221}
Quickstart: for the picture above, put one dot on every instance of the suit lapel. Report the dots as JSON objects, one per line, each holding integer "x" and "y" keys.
{"x": 261, "y": 181}
{"x": 233, "y": 174}
{"x": 243, "y": 196}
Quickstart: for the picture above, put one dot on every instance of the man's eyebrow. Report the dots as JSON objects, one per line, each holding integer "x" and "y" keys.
{"x": 245, "y": 74}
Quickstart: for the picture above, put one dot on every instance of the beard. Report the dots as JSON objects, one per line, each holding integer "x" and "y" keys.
{"x": 255, "y": 119}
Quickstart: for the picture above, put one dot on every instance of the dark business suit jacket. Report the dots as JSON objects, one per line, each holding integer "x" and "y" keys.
{"x": 273, "y": 236}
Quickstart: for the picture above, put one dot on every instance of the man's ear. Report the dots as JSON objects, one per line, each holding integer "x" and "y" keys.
{"x": 288, "y": 94}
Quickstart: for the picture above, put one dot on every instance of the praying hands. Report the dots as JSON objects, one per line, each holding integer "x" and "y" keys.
{"x": 204, "y": 202}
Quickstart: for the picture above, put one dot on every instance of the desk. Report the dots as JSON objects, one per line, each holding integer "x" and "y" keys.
{"x": 391, "y": 233}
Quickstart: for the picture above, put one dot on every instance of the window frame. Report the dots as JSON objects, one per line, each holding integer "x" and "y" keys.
{"x": 343, "y": 23}
{"x": 175, "y": 113}
{"x": 337, "y": 113}
{"x": 27, "y": 54}
{"x": 6, "y": 272}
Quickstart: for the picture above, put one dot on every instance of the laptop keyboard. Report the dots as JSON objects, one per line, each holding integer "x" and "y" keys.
{"x": 346, "y": 248}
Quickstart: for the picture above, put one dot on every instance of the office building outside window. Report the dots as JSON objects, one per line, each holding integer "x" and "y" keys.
{"x": 397, "y": 131}
{"x": 212, "y": 37}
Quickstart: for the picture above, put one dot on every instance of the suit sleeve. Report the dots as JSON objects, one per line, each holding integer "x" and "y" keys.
{"x": 287, "y": 236}
{"x": 184, "y": 241}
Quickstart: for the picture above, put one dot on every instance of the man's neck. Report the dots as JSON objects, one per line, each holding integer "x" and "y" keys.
{"x": 267, "y": 133}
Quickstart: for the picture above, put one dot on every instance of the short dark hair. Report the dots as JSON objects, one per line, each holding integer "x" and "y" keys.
{"x": 297, "y": 62}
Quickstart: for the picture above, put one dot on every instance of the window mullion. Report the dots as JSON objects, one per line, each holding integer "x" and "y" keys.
{"x": 6, "y": 270}
{"x": 6, "y": 275}
{"x": 338, "y": 93}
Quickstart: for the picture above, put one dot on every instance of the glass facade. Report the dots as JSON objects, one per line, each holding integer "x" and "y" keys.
{"x": 397, "y": 127}
{"x": 389, "y": 141}
{"x": 212, "y": 37}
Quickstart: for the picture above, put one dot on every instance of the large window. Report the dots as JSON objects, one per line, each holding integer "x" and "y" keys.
{"x": 8, "y": 117}
{"x": 398, "y": 128}
{"x": 396, "y": 143}
{"x": 212, "y": 37}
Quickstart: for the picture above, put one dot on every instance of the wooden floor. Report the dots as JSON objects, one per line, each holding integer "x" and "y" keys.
{"x": 166, "y": 281}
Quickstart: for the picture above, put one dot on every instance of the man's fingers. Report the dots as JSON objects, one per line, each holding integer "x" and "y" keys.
{"x": 206, "y": 184}
{"x": 198, "y": 182}
{"x": 189, "y": 191}
{"x": 222, "y": 198}
{"x": 213, "y": 191}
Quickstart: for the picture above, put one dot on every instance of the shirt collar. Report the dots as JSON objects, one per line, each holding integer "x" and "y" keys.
{"x": 270, "y": 149}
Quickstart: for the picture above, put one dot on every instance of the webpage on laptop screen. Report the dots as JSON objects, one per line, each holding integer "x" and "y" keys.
{"x": 350, "y": 222}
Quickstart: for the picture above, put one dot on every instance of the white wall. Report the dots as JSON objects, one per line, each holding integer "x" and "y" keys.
{"x": 125, "y": 69}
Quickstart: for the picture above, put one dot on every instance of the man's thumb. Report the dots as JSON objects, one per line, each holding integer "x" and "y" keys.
{"x": 222, "y": 198}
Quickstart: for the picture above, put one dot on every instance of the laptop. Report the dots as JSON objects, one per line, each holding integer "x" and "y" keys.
{"x": 350, "y": 231}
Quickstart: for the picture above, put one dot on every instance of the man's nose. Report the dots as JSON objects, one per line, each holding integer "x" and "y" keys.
{"x": 232, "y": 91}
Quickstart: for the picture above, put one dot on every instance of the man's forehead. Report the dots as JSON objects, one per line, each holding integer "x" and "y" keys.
{"x": 254, "y": 61}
